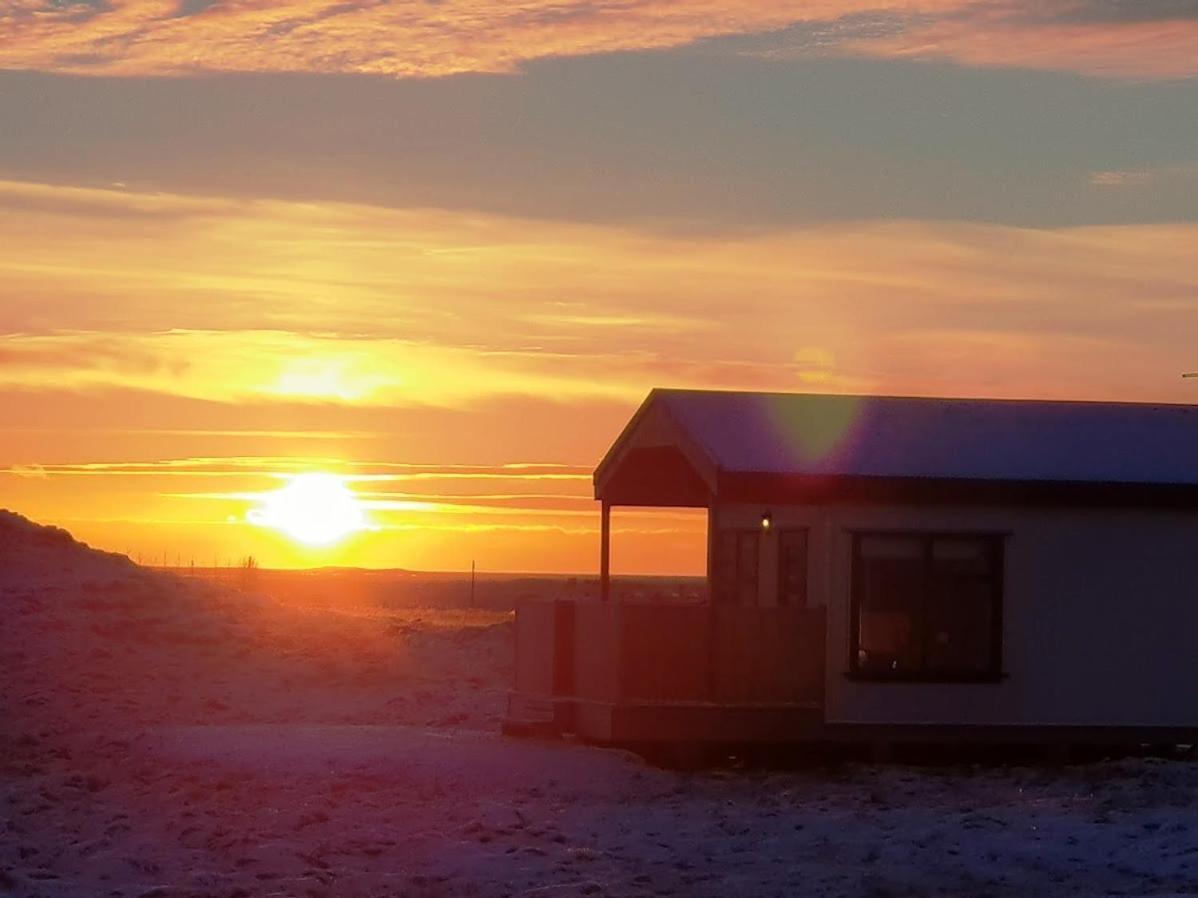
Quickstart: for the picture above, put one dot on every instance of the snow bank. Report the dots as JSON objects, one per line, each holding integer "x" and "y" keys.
{"x": 166, "y": 737}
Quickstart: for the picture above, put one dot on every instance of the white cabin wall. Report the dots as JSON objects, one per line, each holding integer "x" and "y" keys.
{"x": 813, "y": 519}
{"x": 1100, "y": 614}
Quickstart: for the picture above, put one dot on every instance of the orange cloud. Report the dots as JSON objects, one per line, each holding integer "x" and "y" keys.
{"x": 278, "y": 302}
{"x": 995, "y": 36}
{"x": 1173, "y": 175}
{"x": 412, "y": 38}
{"x": 407, "y": 38}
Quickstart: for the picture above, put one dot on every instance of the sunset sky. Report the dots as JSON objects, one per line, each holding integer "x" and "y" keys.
{"x": 441, "y": 250}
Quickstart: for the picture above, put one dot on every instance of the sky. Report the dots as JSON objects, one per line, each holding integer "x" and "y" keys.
{"x": 440, "y": 251}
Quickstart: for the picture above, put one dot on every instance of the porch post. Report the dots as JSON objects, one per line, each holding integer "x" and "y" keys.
{"x": 712, "y": 527}
{"x": 605, "y": 553}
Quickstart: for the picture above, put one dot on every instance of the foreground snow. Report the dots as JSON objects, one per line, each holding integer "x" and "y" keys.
{"x": 163, "y": 737}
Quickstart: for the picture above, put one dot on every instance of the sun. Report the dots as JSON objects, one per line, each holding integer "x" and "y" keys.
{"x": 314, "y": 509}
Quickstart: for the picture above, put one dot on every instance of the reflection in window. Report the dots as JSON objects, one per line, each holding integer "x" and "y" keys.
{"x": 927, "y": 605}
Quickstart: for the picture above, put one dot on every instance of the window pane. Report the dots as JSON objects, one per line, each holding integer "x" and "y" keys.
{"x": 962, "y": 554}
{"x": 890, "y": 596}
{"x": 959, "y": 625}
{"x": 960, "y": 609}
{"x": 892, "y": 547}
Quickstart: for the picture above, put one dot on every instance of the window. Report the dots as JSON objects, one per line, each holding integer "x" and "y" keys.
{"x": 792, "y": 568}
{"x": 926, "y": 606}
{"x": 736, "y": 563}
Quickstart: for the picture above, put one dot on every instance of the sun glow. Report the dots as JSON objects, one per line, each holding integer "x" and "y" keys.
{"x": 314, "y": 509}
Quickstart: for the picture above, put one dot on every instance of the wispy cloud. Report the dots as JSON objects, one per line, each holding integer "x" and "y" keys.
{"x": 35, "y": 471}
{"x": 282, "y": 466}
{"x": 278, "y": 365}
{"x": 335, "y": 305}
{"x": 1121, "y": 178}
{"x": 1174, "y": 175}
{"x": 406, "y": 38}
{"x": 1104, "y": 38}
{"x": 411, "y": 38}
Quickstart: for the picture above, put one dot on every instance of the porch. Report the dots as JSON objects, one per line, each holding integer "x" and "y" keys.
{"x": 744, "y": 666}
{"x": 638, "y": 672}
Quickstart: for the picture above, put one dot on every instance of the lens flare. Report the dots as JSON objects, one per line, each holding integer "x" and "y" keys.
{"x": 820, "y": 429}
{"x": 314, "y": 509}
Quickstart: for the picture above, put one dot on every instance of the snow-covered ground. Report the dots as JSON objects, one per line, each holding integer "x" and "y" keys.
{"x": 166, "y": 737}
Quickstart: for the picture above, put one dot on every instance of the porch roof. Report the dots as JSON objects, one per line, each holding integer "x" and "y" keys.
{"x": 762, "y": 437}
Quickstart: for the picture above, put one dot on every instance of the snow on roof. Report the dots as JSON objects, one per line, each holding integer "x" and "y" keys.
{"x": 975, "y": 439}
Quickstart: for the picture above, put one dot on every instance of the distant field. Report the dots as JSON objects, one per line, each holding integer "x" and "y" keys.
{"x": 394, "y": 589}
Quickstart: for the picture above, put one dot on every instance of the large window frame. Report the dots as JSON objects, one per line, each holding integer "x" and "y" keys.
{"x": 994, "y": 547}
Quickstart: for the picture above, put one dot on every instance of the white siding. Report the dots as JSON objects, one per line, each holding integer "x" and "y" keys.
{"x": 1100, "y": 615}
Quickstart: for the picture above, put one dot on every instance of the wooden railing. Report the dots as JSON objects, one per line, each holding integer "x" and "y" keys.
{"x": 655, "y": 652}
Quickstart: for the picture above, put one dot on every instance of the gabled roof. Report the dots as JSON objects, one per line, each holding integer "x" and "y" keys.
{"x": 1025, "y": 441}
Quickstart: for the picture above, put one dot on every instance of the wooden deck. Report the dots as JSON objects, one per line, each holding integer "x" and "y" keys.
{"x": 628, "y": 673}
{"x": 647, "y": 675}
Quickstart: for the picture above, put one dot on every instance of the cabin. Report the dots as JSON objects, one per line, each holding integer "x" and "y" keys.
{"x": 890, "y": 569}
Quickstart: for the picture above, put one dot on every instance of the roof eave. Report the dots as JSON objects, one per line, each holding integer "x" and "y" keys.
{"x": 709, "y": 469}
{"x": 841, "y": 489}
